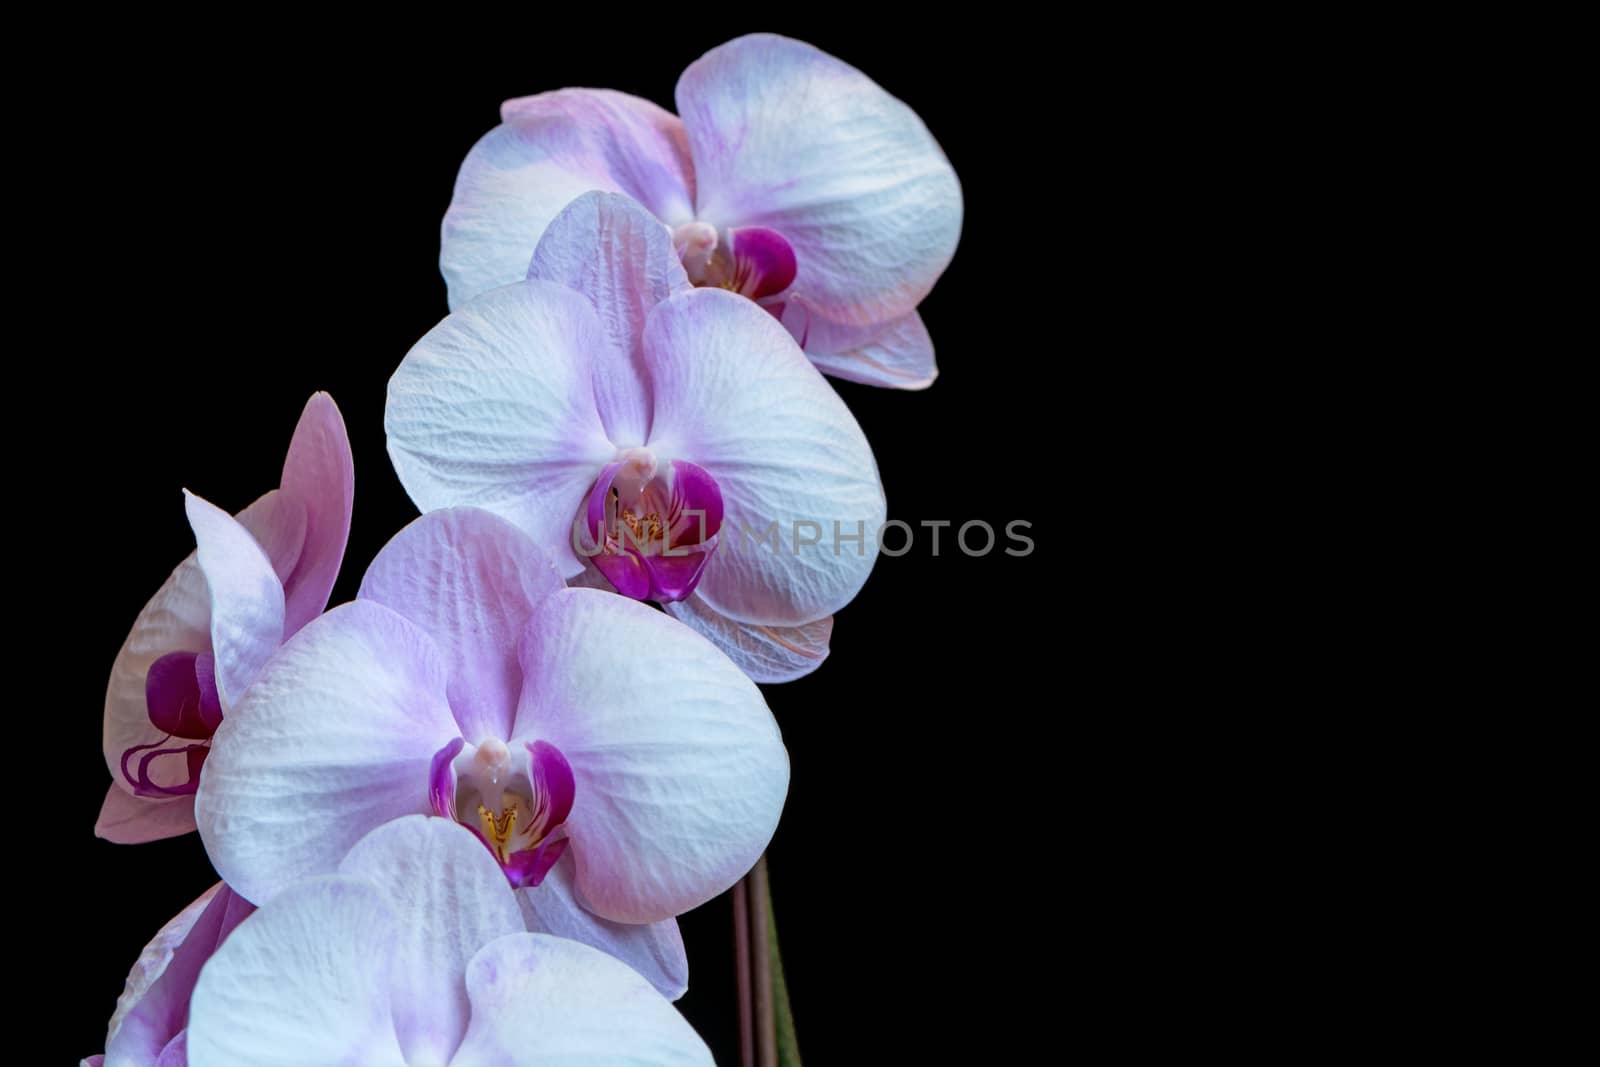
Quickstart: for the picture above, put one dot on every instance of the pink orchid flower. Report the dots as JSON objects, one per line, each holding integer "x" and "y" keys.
{"x": 148, "y": 1028}
{"x": 412, "y": 952}
{"x": 674, "y": 439}
{"x": 186, "y": 659}
{"x": 791, "y": 178}
{"x": 618, "y": 768}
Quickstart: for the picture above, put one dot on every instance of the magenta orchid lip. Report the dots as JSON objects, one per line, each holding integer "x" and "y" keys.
{"x": 651, "y": 529}
{"x": 753, "y": 261}
{"x": 513, "y": 804}
{"x": 182, "y": 702}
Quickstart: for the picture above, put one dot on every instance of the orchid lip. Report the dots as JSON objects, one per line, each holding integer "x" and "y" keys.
{"x": 764, "y": 263}
{"x": 514, "y": 798}
{"x": 181, "y": 701}
{"x": 181, "y": 695}
{"x": 753, "y": 261}
{"x": 652, "y": 532}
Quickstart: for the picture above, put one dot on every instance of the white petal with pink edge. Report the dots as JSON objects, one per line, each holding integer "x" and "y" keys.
{"x": 247, "y": 613}
{"x": 449, "y": 899}
{"x": 305, "y": 980}
{"x": 495, "y": 408}
{"x": 621, "y": 257}
{"x": 655, "y": 950}
{"x": 539, "y": 1000}
{"x": 898, "y": 355}
{"x": 551, "y": 149}
{"x": 334, "y": 738}
{"x": 735, "y": 395}
{"x": 767, "y": 654}
{"x": 470, "y": 580}
{"x": 680, "y": 770}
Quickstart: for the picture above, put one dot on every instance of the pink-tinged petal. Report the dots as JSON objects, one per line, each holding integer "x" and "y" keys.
{"x": 896, "y": 356}
{"x": 319, "y": 473}
{"x": 277, "y": 520}
{"x": 305, "y": 980}
{"x": 788, "y": 137}
{"x": 153, "y": 961}
{"x": 551, "y": 149}
{"x": 766, "y": 654}
{"x": 205, "y": 680}
{"x": 538, "y": 999}
{"x": 129, "y": 820}
{"x": 655, "y": 950}
{"x": 470, "y": 580}
{"x": 680, "y": 771}
{"x": 449, "y": 899}
{"x": 335, "y": 737}
{"x": 735, "y": 395}
{"x": 175, "y": 1054}
{"x": 92, "y": 1061}
{"x": 495, "y": 408}
{"x": 154, "y": 1007}
{"x": 621, "y": 257}
{"x": 246, "y": 598}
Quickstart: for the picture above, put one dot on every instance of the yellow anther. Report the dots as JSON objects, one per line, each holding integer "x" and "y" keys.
{"x": 499, "y": 830}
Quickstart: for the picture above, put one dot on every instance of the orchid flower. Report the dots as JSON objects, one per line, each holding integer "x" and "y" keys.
{"x": 411, "y": 953}
{"x": 673, "y": 438}
{"x": 791, "y": 178}
{"x": 617, "y": 767}
{"x": 148, "y": 1027}
{"x": 198, "y": 642}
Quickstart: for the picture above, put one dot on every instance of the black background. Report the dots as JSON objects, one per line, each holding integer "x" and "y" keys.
{"x": 247, "y": 221}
